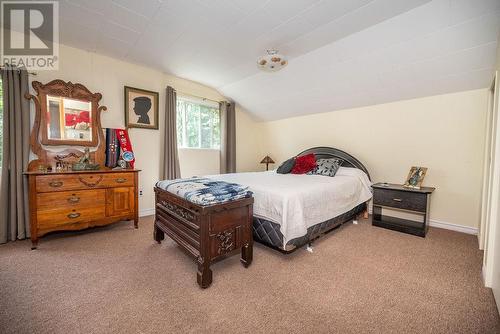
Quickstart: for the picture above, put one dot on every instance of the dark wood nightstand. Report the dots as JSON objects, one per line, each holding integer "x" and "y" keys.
{"x": 397, "y": 197}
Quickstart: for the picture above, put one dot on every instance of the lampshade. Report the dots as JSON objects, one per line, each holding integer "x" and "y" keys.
{"x": 267, "y": 160}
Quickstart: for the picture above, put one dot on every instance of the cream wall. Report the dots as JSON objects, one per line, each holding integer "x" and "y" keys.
{"x": 198, "y": 162}
{"x": 444, "y": 133}
{"x": 108, "y": 76}
{"x": 249, "y": 143}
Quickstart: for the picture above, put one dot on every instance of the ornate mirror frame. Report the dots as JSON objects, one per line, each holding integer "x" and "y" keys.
{"x": 39, "y": 131}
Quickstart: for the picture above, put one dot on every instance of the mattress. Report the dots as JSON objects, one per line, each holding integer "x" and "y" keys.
{"x": 298, "y": 202}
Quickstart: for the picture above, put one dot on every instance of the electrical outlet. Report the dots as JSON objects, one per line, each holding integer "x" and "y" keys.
{"x": 140, "y": 192}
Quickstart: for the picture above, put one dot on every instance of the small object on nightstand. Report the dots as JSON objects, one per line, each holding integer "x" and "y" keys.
{"x": 267, "y": 160}
{"x": 415, "y": 177}
{"x": 398, "y": 197}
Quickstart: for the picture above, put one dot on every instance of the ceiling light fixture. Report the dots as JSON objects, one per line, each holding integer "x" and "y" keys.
{"x": 272, "y": 62}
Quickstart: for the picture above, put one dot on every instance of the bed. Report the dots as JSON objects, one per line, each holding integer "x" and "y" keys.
{"x": 292, "y": 210}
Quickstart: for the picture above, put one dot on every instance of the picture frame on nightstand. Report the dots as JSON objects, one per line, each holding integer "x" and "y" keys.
{"x": 415, "y": 177}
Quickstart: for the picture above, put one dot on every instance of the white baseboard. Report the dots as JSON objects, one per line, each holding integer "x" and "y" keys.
{"x": 146, "y": 212}
{"x": 453, "y": 227}
{"x": 447, "y": 226}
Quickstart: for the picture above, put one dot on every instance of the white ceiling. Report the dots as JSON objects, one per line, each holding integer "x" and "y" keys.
{"x": 342, "y": 53}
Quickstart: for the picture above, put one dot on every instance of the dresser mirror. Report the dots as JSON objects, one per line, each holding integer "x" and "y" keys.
{"x": 68, "y": 120}
{"x": 67, "y": 115}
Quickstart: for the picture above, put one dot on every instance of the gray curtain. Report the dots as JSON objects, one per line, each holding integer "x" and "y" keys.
{"x": 228, "y": 137}
{"x": 14, "y": 212}
{"x": 171, "y": 169}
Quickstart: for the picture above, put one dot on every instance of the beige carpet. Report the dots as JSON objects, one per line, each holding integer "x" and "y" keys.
{"x": 360, "y": 279}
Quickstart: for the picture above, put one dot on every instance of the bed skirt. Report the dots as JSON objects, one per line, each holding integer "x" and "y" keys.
{"x": 269, "y": 234}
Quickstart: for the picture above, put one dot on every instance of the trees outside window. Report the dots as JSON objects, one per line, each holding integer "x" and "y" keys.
{"x": 198, "y": 124}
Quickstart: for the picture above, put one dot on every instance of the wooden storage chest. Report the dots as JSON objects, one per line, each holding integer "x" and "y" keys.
{"x": 207, "y": 233}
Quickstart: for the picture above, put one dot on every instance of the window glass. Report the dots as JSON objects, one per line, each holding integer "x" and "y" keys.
{"x": 198, "y": 124}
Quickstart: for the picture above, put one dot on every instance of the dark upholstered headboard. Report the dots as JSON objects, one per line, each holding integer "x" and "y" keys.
{"x": 331, "y": 152}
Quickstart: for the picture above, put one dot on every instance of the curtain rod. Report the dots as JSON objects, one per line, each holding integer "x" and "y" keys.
{"x": 3, "y": 68}
{"x": 198, "y": 97}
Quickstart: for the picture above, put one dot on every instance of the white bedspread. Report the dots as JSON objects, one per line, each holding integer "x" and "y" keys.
{"x": 297, "y": 202}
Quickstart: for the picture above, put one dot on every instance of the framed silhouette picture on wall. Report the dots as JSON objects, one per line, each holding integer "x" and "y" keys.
{"x": 141, "y": 108}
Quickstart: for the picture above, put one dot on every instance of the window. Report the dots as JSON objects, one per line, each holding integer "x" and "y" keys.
{"x": 198, "y": 123}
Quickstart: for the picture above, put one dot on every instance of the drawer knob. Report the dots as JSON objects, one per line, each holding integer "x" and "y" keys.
{"x": 55, "y": 184}
{"x": 397, "y": 199}
{"x": 121, "y": 180}
{"x": 74, "y": 215}
{"x": 73, "y": 199}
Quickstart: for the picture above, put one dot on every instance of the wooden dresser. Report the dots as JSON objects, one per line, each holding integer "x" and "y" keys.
{"x": 78, "y": 200}
{"x": 67, "y": 132}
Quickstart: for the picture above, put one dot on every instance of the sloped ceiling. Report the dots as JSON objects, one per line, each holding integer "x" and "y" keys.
{"x": 342, "y": 53}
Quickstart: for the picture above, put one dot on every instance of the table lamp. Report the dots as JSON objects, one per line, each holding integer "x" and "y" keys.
{"x": 267, "y": 160}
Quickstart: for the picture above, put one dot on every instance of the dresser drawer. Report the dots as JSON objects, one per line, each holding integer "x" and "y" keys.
{"x": 406, "y": 200}
{"x": 112, "y": 180}
{"x": 64, "y": 216}
{"x": 71, "y": 199}
{"x": 50, "y": 183}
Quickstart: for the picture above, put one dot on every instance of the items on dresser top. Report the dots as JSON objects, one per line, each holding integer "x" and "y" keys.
{"x": 399, "y": 197}
{"x": 127, "y": 154}
{"x": 84, "y": 163}
{"x": 112, "y": 148}
{"x": 206, "y": 232}
{"x": 119, "y": 153}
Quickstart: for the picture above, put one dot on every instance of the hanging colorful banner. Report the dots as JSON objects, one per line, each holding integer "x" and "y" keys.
{"x": 126, "y": 146}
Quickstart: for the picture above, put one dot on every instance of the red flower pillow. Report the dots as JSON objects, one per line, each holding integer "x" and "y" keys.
{"x": 304, "y": 164}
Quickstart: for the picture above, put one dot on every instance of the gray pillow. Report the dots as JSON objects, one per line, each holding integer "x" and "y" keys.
{"x": 327, "y": 167}
{"x": 286, "y": 167}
